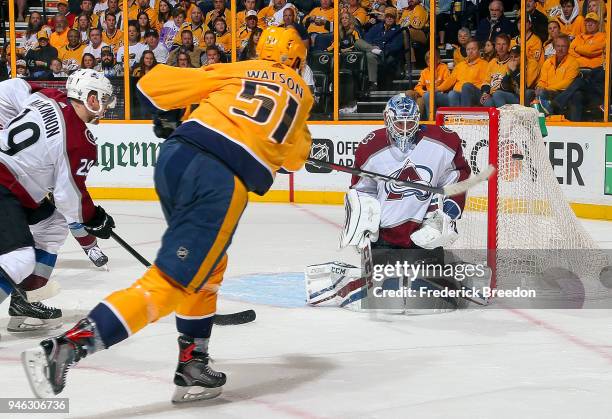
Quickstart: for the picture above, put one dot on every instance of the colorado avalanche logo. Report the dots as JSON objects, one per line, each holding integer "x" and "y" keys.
{"x": 414, "y": 173}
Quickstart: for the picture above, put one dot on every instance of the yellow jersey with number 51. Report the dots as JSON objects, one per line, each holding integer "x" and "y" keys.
{"x": 252, "y": 114}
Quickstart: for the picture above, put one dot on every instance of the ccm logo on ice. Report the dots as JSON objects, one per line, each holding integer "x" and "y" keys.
{"x": 414, "y": 173}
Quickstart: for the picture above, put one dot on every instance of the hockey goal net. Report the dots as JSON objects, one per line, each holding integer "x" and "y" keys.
{"x": 520, "y": 217}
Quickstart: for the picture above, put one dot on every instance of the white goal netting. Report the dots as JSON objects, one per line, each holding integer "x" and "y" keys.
{"x": 532, "y": 228}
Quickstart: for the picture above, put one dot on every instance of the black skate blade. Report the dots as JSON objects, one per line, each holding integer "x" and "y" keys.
{"x": 195, "y": 393}
{"x": 36, "y": 366}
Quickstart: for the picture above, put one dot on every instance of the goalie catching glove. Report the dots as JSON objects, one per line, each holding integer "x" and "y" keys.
{"x": 362, "y": 220}
{"x": 101, "y": 224}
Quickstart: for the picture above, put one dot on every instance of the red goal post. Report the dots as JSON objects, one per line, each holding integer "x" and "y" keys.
{"x": 490, "y": 116}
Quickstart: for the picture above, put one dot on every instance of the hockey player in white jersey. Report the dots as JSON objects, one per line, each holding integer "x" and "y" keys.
{"x": 45, "y": 147}
{"x": 391, "y": 216}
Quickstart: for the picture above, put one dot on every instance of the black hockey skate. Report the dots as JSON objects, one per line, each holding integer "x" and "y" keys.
{"x": 96, "y": 255}
{"x": 47, "y": 365}
{"x": 194, "y": 378}
{"x": 32, "y": 317}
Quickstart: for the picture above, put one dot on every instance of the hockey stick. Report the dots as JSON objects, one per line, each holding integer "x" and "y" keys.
{"x": 240, "y": 317}
{"x": 448, "y": 190}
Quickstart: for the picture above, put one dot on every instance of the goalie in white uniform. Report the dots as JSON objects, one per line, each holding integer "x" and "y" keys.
{"x": 392, "y": 216}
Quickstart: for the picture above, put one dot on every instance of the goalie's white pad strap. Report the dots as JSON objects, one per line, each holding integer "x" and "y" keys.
{"x": 362, "y": 219}
{"x": 325, "y": 280}
{"x": 438, "y": 230}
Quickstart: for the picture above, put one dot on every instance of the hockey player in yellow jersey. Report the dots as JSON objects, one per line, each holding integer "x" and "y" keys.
{"x": 250, "y": 124}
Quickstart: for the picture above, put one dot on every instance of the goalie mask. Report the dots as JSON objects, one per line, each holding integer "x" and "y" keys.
{"x": 402, "y": 121}
{"x": 82, "y": 82}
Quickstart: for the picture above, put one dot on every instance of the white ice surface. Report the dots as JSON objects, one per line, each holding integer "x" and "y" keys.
{"x": 326, "y": 363}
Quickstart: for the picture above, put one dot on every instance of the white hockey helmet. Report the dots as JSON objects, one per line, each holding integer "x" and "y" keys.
{"x": 82, "y": 82}
{"x": 402, "y": 118}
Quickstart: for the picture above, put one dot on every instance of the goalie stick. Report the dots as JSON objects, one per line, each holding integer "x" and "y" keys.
{"x": 448, "y": 190}
{"x": 240, "y": 317}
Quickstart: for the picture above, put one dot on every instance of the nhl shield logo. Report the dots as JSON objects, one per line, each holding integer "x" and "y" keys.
{"x": 182, "y": 253}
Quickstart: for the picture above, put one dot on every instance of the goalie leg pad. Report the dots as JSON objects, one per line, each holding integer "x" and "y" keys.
{"x": 329, "y": 284}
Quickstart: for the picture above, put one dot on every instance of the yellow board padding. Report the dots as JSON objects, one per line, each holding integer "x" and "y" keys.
{"x": 582, "y": 210}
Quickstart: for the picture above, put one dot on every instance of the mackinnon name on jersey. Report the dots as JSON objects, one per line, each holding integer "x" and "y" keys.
{"x": 277, "y": 77}
{"x": 49, "y": 116}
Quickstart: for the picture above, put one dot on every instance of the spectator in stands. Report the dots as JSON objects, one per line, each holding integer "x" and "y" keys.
{"x": 111, "y": 35}
{"x": 443, "y": 20}
{"x": 113, "y": 8}
{"x": 164, "y": 12}
{"x": 83, "y": 25}
{"x": 62, "y": 10}
{"x": 358, "y": 13}
{"x": 304, "y": 7}
{"x": 213, "y": 55}
{"x": 56, "y": 69}
{"x": 4, "y": 70}
{"x": 459, "y": 53}
{"x": 508, "y": 92}
{"x": 108, "y": 65}
{"x": 29, "y": 39}
{"x": 383, "y": 45}
{"x": 496, "y": 69}
{"x": 290, "y": 21}
{"x": 88, "y": 61}
{"x": 422, "y": 88}
{"x": 554, "y": 30}
{"x": 249, "y": 6}
{"x": 172, "y": 27}
{"x": 534, "y": 54}
{"x": 188, "y": 47}
{"x": 488, "y": 51}
{"x": 539, "y": 21}
{"x": 218, "y": 11}
{"x": 413, "y": 21}
{"x": 146, "y": 64}
{"x": 249, "y": 53}
{"x": 559, "y": 86}
{"x": 135, "y": 47}
{"x": 272, "y": 15}
{"x": 101, "y": 5}
{"x": 571, "y": 21}
{"x": 496, "y": 23}
{"x": 187, "y": 6}
{"x": 71, "y": 54}
{"x": 39, "y": 58}
{"x": 210, "y": 40}
{"x": 22, "y": 7}
{"x": 59, "y": 37}
{"x": 87, "y": 10}
{"x": 463, "y": 84}
{"x": 599, "y": 8}
{"x": 22, "y": 69}
{"x": 348, "y": 34}
{"x": 550, "y": 8}
{"x": 143, "y": 6}
{"x": 245, "y": 31}
{"x": 183, "y": 60}
{"x": 95, "y": 43}
{"x": 319, "y": 21}
{"x": 196, "y": 26}
{"x": 159, "y": 49}
{"x": 376, "y": 14}
{"x": 223, "y": 36}
{"x": 588, "y": 48}
{"x": 144, "y": 24}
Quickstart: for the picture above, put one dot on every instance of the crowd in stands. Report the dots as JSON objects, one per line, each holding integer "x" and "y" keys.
{"x": 565, "y": 43}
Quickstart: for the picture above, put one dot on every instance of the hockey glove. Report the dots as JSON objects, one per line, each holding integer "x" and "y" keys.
{"x": 101, "y": 224}
{"x": 164, "y": 123}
